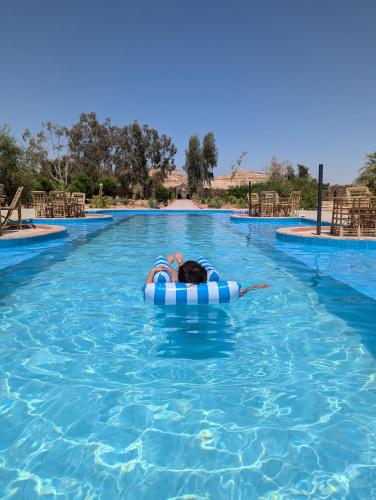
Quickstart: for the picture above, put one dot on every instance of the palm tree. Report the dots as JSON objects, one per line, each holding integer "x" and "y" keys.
{"x": 368, "y": 172}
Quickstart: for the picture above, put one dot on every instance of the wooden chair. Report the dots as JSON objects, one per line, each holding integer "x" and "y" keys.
{"x": 40, "y": 203}
{"x": 358, "y": 192}
{"x": 255, "y": 199}
{"x": 60, "y": 205}
{"x": 354, "y": 216}
{"x": 78, "y": 204}
{"x": 291, "y": 205}
{"x": 268, "y": 204}
{"x": 15, "y": 205}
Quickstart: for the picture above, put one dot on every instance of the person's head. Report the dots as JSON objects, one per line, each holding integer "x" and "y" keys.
{"x": 192, "y": 272}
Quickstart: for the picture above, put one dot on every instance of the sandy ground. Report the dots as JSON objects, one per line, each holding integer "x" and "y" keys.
{"x": 181, "y": 205}
{"x": 311, "y": 214}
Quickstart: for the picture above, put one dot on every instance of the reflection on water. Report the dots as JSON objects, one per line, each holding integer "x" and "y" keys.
{"x": 194, "y": 332}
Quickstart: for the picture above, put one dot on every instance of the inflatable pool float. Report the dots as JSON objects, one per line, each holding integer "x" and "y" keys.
{"x": 214, "y": 291}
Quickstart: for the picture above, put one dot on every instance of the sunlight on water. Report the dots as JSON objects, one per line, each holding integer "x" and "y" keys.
{"x": 103, "y": 397}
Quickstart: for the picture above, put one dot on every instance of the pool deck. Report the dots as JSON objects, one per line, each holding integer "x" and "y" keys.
{"x": 40, "y": 232}
{"x": 306, "y": 214}
{"x": 71, "y": 220}
{"x": 307, "y": 235}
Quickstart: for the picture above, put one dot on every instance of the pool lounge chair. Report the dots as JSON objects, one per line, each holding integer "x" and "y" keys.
{"x": 255, "y": 204}
{"x": 15, "y": 205}
{"x": 289, "y": 206}
{"x": 40, "y": 204}
{"x": 268, "y": 204}
{"x": 78, "y": 205}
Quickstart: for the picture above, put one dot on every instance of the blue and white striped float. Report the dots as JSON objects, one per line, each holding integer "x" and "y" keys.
{"x": 214, "y": 291}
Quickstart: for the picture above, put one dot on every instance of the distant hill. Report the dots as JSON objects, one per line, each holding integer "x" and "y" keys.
{"x": 178, "y": 179}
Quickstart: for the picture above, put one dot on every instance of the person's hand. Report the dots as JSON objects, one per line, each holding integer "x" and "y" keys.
{"x": 160, "y": 268}
{"x": 261, "y": 285}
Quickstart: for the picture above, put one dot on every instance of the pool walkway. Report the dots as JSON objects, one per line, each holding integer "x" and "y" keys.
{"x": 182, "y": 205}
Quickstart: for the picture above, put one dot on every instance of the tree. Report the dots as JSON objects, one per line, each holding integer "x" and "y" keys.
{"x": 290, "y": 173}
{"x": 193, "y": 165}
{"x": 200, "y": 162}
{"x": 303, "y": 171}
{"x": 14, "y": 169}
{"x": 109, "y": 184}
{"x": 130, "y": 159}
{"x": 142, "y": 158}
{"x": 49, "y": 153}
{"x": 210, "y": 157}
{"x": 91, "y": 146}
{"x": 81, "y": 183}
{"x": 368, "y": 172}
{"x": 279, "y": 169}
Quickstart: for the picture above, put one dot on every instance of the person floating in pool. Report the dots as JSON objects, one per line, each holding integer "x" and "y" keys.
{"x": 190, "y": 271}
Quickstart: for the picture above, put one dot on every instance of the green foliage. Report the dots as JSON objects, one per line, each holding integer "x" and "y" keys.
{"x": 210, "y": 157}
{"x": 215, "y": 202}
{"x": 193, "y": 165}
{"x": 303, "y": 171}
{"x": 368, "y": 173}
{"x": 200, "y": 161}
{"x": 241, "y": 203}
{"x": 44, "y": 183}
{"x": 283, "y": 181}
{"x": 101, "y": 201}
{"x": 110, "y": 185}
{"x": 238, "y": 191}
{"x": 14, "y": 169}
{"x": 153, "y": 203}
{"x": 195, "y": 197}
{"x": 283, "y": 187}
{"x": 162, "y": 194}
{"x": 81, "y": 183}
{"x": 232, "y": 200}
{"x": 123, "y": 158}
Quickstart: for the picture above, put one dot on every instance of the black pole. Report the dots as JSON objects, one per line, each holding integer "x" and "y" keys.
{"x": 319, "y": 200}
{"x": 250, "y": 198}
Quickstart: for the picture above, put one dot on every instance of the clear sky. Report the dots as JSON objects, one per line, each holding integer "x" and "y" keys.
{"x": 291, "y": 78}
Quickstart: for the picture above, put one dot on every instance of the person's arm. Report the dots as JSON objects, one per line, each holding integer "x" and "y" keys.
{"x": 152, "y": 272}
{"x": 253, "y": 287}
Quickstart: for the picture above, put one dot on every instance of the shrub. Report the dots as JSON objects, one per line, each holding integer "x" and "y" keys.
{"x": 123, "y": 201}
{"x": 43, "y": 183}
{"x": 215, "y": 203}
{"x": 162, "y": 194}
{"x": 241, "y": 203}
{"x": 195, "y": 197}
{"x": 153, "y": 203}
{"x": 110, "y": 185}
{"x": 81, "y": 183}
{"x": 238, "y": 191}
{"x": 101, "y": 201}
{"x": 232, "y": 200}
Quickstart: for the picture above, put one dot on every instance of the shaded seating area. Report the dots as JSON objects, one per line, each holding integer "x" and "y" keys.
{"x": 354, "y": 215}
{"x": 270, "y": 204}
{"x": 58, "y": 204}
{"x": 15, "y": 205}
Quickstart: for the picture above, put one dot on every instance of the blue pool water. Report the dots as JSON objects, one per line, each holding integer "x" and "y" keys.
{"x": 103, "y": 397}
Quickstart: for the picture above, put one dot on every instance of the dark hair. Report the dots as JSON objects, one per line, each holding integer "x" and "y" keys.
{"x": 192, "y": 272}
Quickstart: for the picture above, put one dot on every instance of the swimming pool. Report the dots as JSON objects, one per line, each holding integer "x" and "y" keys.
{"x": 103, "y": 397}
